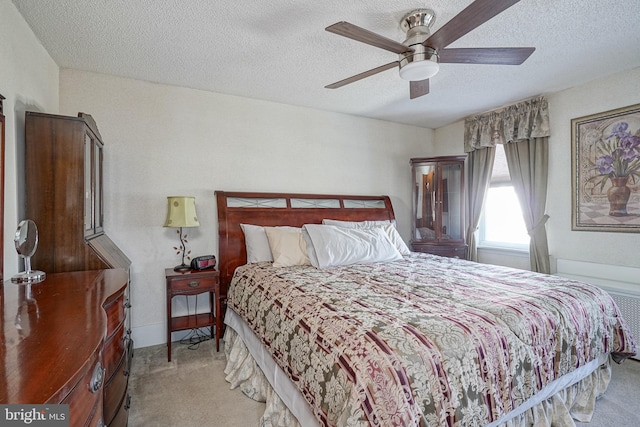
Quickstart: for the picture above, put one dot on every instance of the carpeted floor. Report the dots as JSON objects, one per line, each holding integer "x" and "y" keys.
{"x": 190, "y": 391}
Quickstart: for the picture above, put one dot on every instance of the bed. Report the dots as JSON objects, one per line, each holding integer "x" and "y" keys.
{"x": 415, "y": 339}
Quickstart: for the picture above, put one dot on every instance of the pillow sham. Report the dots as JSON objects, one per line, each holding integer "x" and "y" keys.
{"x": 396, "y": 239}
{"x": 287, "y": 246}
{"x": 311, "y": 251}
{"x": 388, "y": 226}
{"x": 336, "y": 246}
{"x": 256, "y": 243}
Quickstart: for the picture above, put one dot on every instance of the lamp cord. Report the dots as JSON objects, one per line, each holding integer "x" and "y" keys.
{"x": 195, "y": 336}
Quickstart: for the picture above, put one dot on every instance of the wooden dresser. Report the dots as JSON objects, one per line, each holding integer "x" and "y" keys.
{"x": 55, "y": 341}
{"x": 64, "y": 196}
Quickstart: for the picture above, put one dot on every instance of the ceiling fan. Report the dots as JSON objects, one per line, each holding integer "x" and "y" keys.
{"x": 421, "y": 53}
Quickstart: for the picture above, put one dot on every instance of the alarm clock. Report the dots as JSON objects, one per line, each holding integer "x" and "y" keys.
{"x": 204, "y": 262}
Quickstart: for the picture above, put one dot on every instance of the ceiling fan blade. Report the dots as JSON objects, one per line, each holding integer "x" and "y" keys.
{"x": 418, "y": 88}
{"x": 354, "y": 32}
{"x": 490, "y": 55}
{"x": 474, "y": 15}
{"x": 362, "y": 75}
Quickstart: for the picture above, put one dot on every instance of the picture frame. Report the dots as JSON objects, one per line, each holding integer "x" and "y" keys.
{"x": 605, "y": 168}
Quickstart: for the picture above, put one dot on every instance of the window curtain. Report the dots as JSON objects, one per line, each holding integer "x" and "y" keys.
{"x": 479, "y": 166}
{"x": 528, "y": 162}
{"x": 524, "y": 128}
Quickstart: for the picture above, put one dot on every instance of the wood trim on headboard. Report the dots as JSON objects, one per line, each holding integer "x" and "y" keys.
{"x": 231, "y": 247}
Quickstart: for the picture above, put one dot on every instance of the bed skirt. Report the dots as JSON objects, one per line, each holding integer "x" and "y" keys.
{"x": 567, "y": 398}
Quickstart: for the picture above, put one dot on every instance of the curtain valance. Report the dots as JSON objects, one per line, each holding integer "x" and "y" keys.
{"x": 522, "y": 121}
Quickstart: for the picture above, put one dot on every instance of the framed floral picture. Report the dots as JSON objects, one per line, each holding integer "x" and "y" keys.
{"x": 606, "y": 171}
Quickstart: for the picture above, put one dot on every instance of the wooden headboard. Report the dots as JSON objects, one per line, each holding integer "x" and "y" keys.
{"x": 273, "y": 209}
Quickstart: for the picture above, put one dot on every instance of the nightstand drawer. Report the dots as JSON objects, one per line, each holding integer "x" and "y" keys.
{"x": 193, "y": 284}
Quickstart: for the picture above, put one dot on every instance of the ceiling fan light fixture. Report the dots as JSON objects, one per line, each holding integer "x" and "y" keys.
{"x": 418, "y": 56}
{"x": 419, "y": 70}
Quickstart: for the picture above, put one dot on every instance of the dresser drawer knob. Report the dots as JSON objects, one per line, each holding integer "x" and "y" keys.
{"x": 96, "y": 378}
{"x": 194, "y": 284}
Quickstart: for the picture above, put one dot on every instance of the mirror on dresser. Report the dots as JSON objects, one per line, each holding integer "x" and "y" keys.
{"x": 26, "y": 243}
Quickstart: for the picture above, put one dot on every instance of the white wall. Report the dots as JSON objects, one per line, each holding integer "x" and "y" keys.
{"x": 608, "y": 93}
{"x": 619, "y": 90}
{"x": 163, "y": 141}
{"x": 28, "y": 81}
{"x": 450, "y": 140}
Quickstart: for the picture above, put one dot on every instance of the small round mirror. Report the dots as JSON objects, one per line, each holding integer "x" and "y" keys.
{"x": 26, "y": 239}
{"x": 26, "y": 242}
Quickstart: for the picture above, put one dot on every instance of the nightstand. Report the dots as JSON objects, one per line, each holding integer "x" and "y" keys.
{"x": 194, "y": 282}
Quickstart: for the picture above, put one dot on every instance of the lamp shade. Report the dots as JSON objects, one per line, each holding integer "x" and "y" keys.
{"x": 181, "y": 212}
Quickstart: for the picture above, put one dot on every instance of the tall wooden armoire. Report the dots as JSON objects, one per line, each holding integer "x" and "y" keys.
{"x": 438, "y": 223}
{"x": 64, "y": 196}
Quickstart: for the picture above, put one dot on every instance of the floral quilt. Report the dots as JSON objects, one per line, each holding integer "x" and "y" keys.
{"x": 426, "y": 341}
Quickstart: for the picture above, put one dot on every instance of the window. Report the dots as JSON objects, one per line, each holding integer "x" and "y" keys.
{"x": 501, "y": 223}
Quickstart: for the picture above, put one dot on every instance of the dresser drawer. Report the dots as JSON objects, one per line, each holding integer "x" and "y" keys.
{"x": 85, "y": 402}
{"x": 121, "y": 417}
{"x": 114, "y": 351}
{"x": 451, "y": 251}
{"x": 115, "y": 310}
{"x": 115, "y": 392}
{"x": 193, "y": 284}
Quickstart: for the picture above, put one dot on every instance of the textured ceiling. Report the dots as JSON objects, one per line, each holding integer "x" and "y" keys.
{"x": 278, "y": 50}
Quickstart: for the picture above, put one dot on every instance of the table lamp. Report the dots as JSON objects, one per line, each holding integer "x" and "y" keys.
{"x": 181, "y": 212}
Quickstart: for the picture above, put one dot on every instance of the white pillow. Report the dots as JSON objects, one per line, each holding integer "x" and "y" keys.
{"x": 396, "y": 238}
{"x": 311, "y": 251}
{"x": 387, "y": 225}
{"x": 287, "y": 246}
{"x": 335, "y": 246}
{"x": 256, "y": 243}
